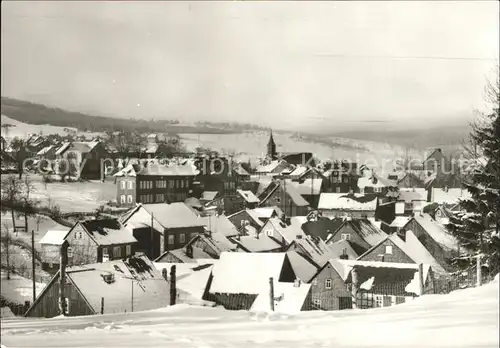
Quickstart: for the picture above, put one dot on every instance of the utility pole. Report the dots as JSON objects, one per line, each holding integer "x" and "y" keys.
{"x": 132, "y": 296}
{"x": 33, "y": 263}
{"x": 271, "y": 293}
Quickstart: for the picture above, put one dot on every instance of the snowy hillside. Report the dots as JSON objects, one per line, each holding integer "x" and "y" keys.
{"x": 465, "y": 318}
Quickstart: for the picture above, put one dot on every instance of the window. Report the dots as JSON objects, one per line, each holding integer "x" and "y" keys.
{"x": 171, "y": 240}
{"x": 182, "y": 183}
{"x": 379, "y": 301}
{"x": 123, "y": 185}
{"x": 346, "y": 180}
{"x": 78, "y": 235}
{"x": 128, "y": 250}
{"x": 269, "y": 233}
{"x": 388, "y": 249}
{"x": 182, "y": 238}
{"x": 317, "y": 302}
{"x": 130, "y": 199}
{"x": 315, "y": 281}
{"x": 337, "y": 189}
{"x": 117, "y": 252}
{"x": 67, "y": 304}
{"x": 51, "y": 265}
{"x": 377, "y": 189}
{"x": 130, "y": 185}
{"x": 171, "y": 184}
{"x": 408, "y": 205}
{"x": 346, "y": 236}
{"x": 105, "y": 252}
{"x": 122, "y": 199}
{"x": 328, "y": 283}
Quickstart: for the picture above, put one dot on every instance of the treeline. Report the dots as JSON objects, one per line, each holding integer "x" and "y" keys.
{"x": 33, "y": 113}
{"x": 232, "y": 125}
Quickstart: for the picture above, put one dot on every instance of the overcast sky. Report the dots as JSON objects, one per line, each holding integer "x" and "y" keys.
{"x": 321, "y": 64}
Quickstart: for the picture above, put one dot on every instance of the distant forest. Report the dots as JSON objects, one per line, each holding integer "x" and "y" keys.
{"x": 33, "y": 113}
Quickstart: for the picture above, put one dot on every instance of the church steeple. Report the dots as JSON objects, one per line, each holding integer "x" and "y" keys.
{"x": 271, "y": 146}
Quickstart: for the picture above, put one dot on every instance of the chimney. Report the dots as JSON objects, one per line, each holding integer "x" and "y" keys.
{"x": 189, "y": 251}
{"x": 62, "y": 277}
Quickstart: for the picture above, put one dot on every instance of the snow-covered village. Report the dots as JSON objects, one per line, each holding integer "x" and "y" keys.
{"x": 250, "y": 174}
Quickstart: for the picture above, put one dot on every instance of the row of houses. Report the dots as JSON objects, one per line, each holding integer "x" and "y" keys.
{"x": 319, "y": 260}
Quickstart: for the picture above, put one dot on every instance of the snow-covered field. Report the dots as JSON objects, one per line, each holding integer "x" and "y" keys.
{"x": 465, "y": 318}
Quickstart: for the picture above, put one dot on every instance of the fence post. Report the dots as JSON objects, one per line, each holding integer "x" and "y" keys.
{"x": 173, "y": 292}
{"x": 479, "y": 280}
{"x": 102, "y": 305}
{"x": 420, "y": 279}
{"x": 271, "y": 293}
{"x": 354, "y": 290}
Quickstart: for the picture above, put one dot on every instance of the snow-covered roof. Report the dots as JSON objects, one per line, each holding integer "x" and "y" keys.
{"x": 182, "y": 270}
{"x": 303, "y": 268}
{"x": 341, "y": 201}
{"x": 248, "y": 196}
{"x": 220, "y": 224}
{"x": 375, "y": 181}
{"x": 254, "y": 245}
{"x": 128, "y": 170}
{"x": 54, "y": 237}
{"x": 270, "y": 167}
{"x": 412, "y": 194}
{"x": 288, "y": 232}
{"x": 451, "y": 196}
{"x": 246, "y": 273}
{"x": 306, "y": 186}
{"x": 400, "y": 221}
{"x": 196, "y": 282}
{"x": 290, "y": 298}
{"x": 171, "y": 170}
{"x": 208, "y": 195}
{"x": 436, "y": 231}
{"x": 108, "y": 232}
{"x": 151, "y": 291}
{"x": 370, "y": 233}
{"x": 173, "y": 215}
{"x": 45, "y": 150}
{"x": 343, "y": 247}
{"x": 264, "y": 212}
{"x": 299, "y": 171}
{"x": 63, "y": 148}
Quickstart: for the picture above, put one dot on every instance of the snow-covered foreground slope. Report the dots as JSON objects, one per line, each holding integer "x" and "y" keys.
{"x": 467, "y": 318}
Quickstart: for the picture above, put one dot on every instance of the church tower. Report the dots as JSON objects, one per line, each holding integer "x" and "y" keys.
{"x": 271, "y": 147}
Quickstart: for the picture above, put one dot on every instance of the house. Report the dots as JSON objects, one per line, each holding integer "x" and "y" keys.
{"x": 286, "y": 197}
{"x": 375, "y": 184}
{"x": 208, "y": 196}
{"x": 48, "y": 152}
{"x": 219, "y": 224}
{"x": 434, "y": 237}
{"x": 322, "y": 227}
{"x": 246, "y": 221}
{"x": 299, "y": 158}
{"x": 162, "y": 227}
{"x": 409, "y": 180}
{"x": 379, "y": 284}
{"x": 274, "y": 167}
{"x": 238, "y": 278}
{"x": 160, "y": 183}
{"x": 250, "y": 200}
{"x": 302, "y": 266}
{"x": 241, "y": 174}
{"x": 450, "y": 196}
{"x": 87, "y": 155}
{"x": 284, "y": 230}
{"x": 265, "y": 213}
{"x": 260, "y": 242}
{"x": 443, "y": 181}
{"x": 342, "y": 177}
{"x": 126, "y": 190}
{"x": 315, "y": 250}
{"x": 340, "y": 204}
{"x": 361, "y": 234}
{"x": 94, "y": 241}
{"x": 228, "y": 204}
{"x": 201, "y": 246}
{"x": 217, "y": 174}
{"x": 105, "y": 288}
{"x": 415, "y": 199}
{"x": 50, "y": 246}
{"x": 309, "y": 189}
{"x": 394, "y": 249}
{"x": 436, "y": 162}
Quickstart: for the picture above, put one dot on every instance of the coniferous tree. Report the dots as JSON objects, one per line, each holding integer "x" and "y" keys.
{"x": 477, "y": 224}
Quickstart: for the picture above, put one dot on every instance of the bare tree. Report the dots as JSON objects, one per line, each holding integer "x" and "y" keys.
{"x": 28, "y": 205}
{"x": 6, "y": 242}
{"x": 11, "y": 195}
